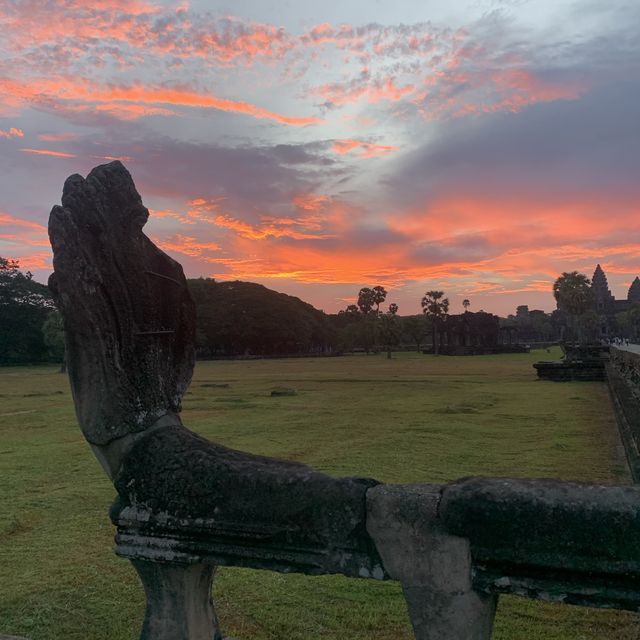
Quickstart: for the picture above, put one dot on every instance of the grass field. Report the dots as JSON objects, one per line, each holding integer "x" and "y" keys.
{"x": 412, "y": 418}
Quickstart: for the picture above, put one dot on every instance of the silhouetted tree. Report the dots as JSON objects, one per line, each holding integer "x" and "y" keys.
{"x": 366, "y": 300}
{"x": 379, "y": 296}
{"x": 24, "y": 305}
{"x": 572, "y": 291}
{"x": 417, "y": 328}
{"x": 236, "y": 318}
{"x": 390, "y": 328}
{"x": 367, "y": 327}
{"x": 466, "y": 304}
{"x": 435, "y": 306}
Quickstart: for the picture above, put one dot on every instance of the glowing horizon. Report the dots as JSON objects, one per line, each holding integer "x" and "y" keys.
{"x": 481, "y": 151}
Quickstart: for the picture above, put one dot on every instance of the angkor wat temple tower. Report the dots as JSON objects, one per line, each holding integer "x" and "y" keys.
{"x": 606, "y": 306}
{"x": 602, "y": 296}
{"x": 634, "y": 292}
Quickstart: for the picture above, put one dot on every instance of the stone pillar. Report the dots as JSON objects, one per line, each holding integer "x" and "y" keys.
{"x": 179, "y": 603}
{"x": 433, "y": 567}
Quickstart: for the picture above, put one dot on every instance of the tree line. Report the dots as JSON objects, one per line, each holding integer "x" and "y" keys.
{"x": 233, "y": 319}
{"x": 245, "y": 318}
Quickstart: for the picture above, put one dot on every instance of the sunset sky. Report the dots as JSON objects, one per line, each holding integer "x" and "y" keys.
{"x": 480, "y": 147}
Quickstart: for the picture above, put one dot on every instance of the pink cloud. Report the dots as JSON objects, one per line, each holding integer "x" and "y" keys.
{"x": 12, "y": 221}
{"x": 57, "y": 137}
{"x": 20, "y": 233}
{"x": 365, "y": 87}
{"x": 362, "y": 149}
{"x": 13, "y": 132}
{"x": 433, "y": 72}
{"x": 48, "y": 152}
{"x": 132, "y": 101}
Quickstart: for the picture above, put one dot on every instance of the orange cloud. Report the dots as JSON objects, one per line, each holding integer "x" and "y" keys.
{"x": 583, "y": 217}
{"x": 307, "y": 264}
{"x": 188, "y": 245}
{"x": 15, "y": 238}
{"x": 138, "y": 93}
{"x": 12, "y": 221}
{"x": 168, "y": 213}
{"x": 373, "y": 90}
{"x": 12, "y": 133}
{"x": 273, "y": 229}
{"x": 33, "y": 261}
{"x": 69, "y": 92}
{"x": 362, "y": 149}
{"x": 48, "y": 152}
{"x": 126, "y": 111}
{"x": 482, "y": 247}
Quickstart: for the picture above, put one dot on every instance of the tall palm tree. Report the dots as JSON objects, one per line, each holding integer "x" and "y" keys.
{"x": 435, "y": 306}
{"x": 379, "y": 295}
{"x": 572, "y": 291}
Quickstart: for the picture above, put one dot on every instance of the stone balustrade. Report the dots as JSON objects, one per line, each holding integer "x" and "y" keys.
{"x": 454, "y": 548}
{"x": 623, "y": 377}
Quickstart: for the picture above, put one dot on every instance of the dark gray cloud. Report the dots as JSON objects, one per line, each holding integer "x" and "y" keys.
{"x": 554, "y": 148}
{"x": 472, "y": 247}
{"x": 252, "y": 179}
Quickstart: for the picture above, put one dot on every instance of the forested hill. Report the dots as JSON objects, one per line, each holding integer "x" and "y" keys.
{"x": 236, "y": 318}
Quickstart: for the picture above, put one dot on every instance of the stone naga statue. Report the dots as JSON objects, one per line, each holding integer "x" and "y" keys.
{"x": 130, "y": 327}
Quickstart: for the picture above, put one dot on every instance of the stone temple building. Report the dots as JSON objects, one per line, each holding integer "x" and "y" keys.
{"x": 606, "y": 306}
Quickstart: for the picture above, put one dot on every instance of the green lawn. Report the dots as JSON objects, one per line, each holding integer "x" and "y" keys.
{"x": 412, "y": 418}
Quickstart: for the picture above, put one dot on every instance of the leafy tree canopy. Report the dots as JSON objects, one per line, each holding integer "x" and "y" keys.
{"x": 572, "y": 291}
{"x": 435, "y": 305}
{"x": 236, "y": 318}
{"x": 24, "y": 306}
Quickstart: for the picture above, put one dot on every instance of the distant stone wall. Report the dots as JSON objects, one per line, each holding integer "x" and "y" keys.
{"x": 623, "y": 376}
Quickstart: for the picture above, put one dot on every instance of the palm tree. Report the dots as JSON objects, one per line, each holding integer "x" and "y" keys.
{"x": 389, "y": 328}
{"x": 379, "y": 295}
{"x": 572, "y": 291}
{"x": 466, "y": 304}
{"x": 435, "y": 306}
{"x": 366, "y": 300}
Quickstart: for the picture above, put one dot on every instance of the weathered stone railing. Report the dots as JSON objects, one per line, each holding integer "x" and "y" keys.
{"x": 623, "y": 376}
{"x": 186, "y": 505}
{"x": 454, "y": 549}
